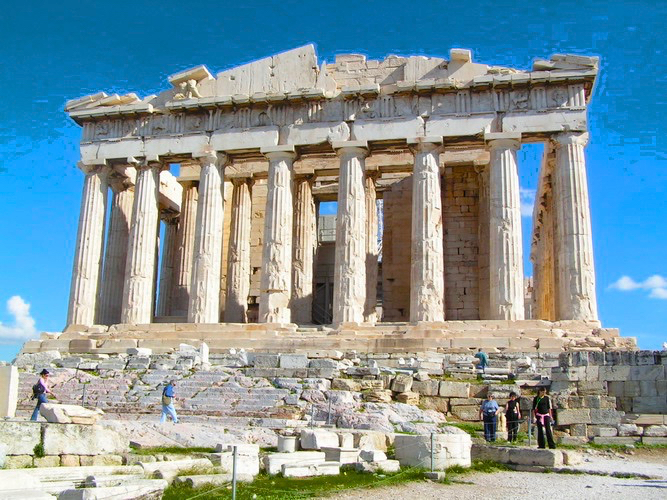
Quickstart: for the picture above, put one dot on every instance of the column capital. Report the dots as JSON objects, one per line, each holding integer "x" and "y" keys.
{"x": 145, "y": 163}
{"x": 284, "y": 152}
{"x": 425, "y": 144}
{"x": 342, "y": 147}
{"x": 241, "y": 179}
{"x": 566, "y": 138}
{"x": 95, "y": 166}
{"x": 208, "y": 156}
{"x": 508, "y": 140}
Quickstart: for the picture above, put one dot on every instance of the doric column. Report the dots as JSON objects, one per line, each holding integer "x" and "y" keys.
{"x": 370, "y": 314}
{"x": 574, "y": 239}
{"x": 349, "y": 296}
{"x": 204, "y": 304}
{"x": 89, "y": 245}
{"x": 483, "y": 238}
{"x": 113, "y": 281}
{"x": 187, "y": 227}
{"x": 275, "y": 286}
{"x": 238, "y": 260}
{"x": 506, "y": 300}
{"x": 138, "y": 294}
{"x": 427, "y": 290}
{"x": 305, "y": 243}
{"x": 167, "y": 267}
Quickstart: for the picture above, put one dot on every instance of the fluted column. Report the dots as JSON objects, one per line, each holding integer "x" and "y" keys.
{"x": 506, "y": 300}
{"x": 167, "y": 267}
{"x": 574, "y": 239}
{"x": 349, "y": 296}
{"x": 370, "y": 314}
{"x": 305, "y": 242}
{"x": 86, "y": 270}
{"x": 427, "y": 290}
{"x": 113, "y": 281}
{"x": 238, "y": 260}
{"x": 187, "y": 227}
{"x": 483, "y": 236}
{"x": 204, "y": 304}
{"x": 276, "y": 282}
{"x": 138, "y": 294}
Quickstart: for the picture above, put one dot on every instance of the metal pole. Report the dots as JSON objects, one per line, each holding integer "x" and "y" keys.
{"x": 432, "y": 451}
{"x": 234, "y": 474}
{"x": 530, "y": 430}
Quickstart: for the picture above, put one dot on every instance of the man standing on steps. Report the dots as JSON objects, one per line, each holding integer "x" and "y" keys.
{"x": 168, "y": 403}
{"x": 483, "y": 359}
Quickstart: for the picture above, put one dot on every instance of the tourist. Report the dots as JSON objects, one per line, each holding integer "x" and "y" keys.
{"x": 488, "y": 413}
{"x": 513, "y": 413}
{"x": 39, "y": 392}
{"x": 543, "y": 417}
{"x": 168, "y": 403}
{"x": 483, "y": 359}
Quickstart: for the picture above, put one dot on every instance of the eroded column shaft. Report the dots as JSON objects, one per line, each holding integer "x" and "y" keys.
{"x": 86, "y": 270}
{"x": 238, "y": 261}
{"x": 138, "y": 293}
{"x": 204, "y": 306}
{"x": 505, "y": 245}
{"x": 574, "y": 240}
{"x": 305, "y": 241}
{"x": 276, "y": 281}
{"x": 167, "y": 268}
{"x": 370, "y": 314}
{"x": 349, "y": 294}
{"x": 427, "y": 290}
{"x": 187, "y": 228}
{"x": 111, "y": 296}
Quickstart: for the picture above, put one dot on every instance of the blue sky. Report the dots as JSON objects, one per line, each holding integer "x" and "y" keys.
{"x": 54, "y": 51}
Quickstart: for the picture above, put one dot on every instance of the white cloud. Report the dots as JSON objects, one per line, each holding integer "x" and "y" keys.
{"x": 658, "y": 293}
{"x": 656, "y": 285}
{"x": 24, "y": 324}
{"x": 527, "y": 201}
{"x": 625, "y": 283}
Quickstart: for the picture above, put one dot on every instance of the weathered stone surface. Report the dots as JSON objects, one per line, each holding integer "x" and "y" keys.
{"x": 288, "y": 444}
{"x": 273, "y": 463}
{"x": 344, "y": 456}
{"x": 450, "y": 449}
{"x": 411, "y": 398}
{"x": 293, "y": 361}
{"x": 568, "y": 417}
{"x": 345, "y": 384}
{"x": 377, "y": 396}
{"x": 47, "y": 461}
{"x": 402, "y": 383}
{"x": 245, "y": 463}
{"x": 655, "y": 431}
{"x": 315, "y": 439}
{"x": 372, "y": 455}
{"x": 20, "y": 437}
{"x": 517, "y": 456}
{"x": 311, "y": 469}
{"x": 454, "y": 389}
{"x": 74, "y": 439}
{"x": 169, "y": 470}
{"x": 70, "y": 414}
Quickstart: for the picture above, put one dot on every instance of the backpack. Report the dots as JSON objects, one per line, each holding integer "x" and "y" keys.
{"x": 166, "y": 400}
{"x": 37, "y": 390}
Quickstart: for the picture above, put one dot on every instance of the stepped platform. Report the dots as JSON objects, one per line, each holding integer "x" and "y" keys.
{"x": 448, "y": 336}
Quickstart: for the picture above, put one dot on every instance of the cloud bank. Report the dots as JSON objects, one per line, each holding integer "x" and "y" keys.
{"x": 656, "y": 286}
{"x": 527, "y": 201}
{"x": 24, "y": 324}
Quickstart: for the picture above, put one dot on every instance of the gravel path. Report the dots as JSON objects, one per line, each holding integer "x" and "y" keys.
{"x": 525, "y": 485}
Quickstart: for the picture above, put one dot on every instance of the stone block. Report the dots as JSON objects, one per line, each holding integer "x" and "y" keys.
{"x": 323, "y": 363}
{"x": 138, "y": 488}
{"x": 70, "y": 414}
{"x": 344, "y": 456}
{"x": 571, "y": 457}
{"x": 346, "y": 439}
{"x": 74, "y": 439}
{"x": 315, "y": 439}
{"x": 69, "y": 461}
{"x": 47, "y": 461}
{"x": 139, "y": 351}
{"x": 454, "y": 389}
{"x": 649, "y": 404}
{"x": 426, "y": 387}
{"x": 346, "y": 384}
{"x": 544, "y": 458}
{"x": 378, "y": 396}
{"x": 293, "y": 361}
{"x": 579, "y": 430}
{"x": 605, "y": 416}
{"x": 20, "y": 437}
{"x": 573, "y": 440}
{"x": 311, "y": 470}
{"x": 602, "y": 431}
{"x": 372, "y": 455}
{"x": 449, "y": 449}
{"x": 410, "y": 398}
{"x": 625, "y": 430}
{"x": 170, "y": 469}
{"x": 569, "y": 417}
{"x": 266, "y": 361}
{"x": 655, "y": 431}
{"x": 656, "y": 372}
{"x": 244, "y": 449}
{"x": 434, "y": 403}
{"x": 9, "y": 390}
{"x": 3, "y": 454}
{"x": 82, "y": 345}
{"x": 468, "y": 413}
{"x": 18, "y": 461}
{"x": 654, "y": 440}
{"x": 648, "y": 387}
{"x": 213, "y": 479}
{"x": 586, "y": 388}
{"x": 402, "y": 383}
{"x": 245, "y": 464}
{"x": 101, "y": 460}
{"x": 288, "y": 444}
{"x": 616, "y": 440}
{"x": 273, "y": 463}
{"x": 370, "y": 440}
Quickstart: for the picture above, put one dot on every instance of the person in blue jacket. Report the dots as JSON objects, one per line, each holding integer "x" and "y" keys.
{"x": 488, "y": 413}
{"x": 168, "y": 403}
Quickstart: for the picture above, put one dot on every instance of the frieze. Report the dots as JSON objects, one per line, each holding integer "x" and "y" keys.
{"x": 266, "y": 114}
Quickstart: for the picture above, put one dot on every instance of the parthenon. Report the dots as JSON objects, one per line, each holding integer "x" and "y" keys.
{"x": 420, "y": 154}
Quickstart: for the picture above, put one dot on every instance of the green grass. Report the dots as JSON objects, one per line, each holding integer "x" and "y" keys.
{"x": 38, "y": 450}
{"x": 175, "y": 450}
{"x": 276, "y": 487}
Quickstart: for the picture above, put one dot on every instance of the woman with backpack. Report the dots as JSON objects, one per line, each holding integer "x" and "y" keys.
{"x": 39, "y": 392}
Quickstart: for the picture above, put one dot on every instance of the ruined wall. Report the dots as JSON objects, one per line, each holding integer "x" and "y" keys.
{"x": 396, "y": 251}
{"x": 258, "y": 200}
{"x": 460, "y": 201}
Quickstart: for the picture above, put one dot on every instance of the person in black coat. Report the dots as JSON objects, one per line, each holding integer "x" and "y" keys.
{"x": 513, "y": 414}
{"x": 543, "y": 417}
